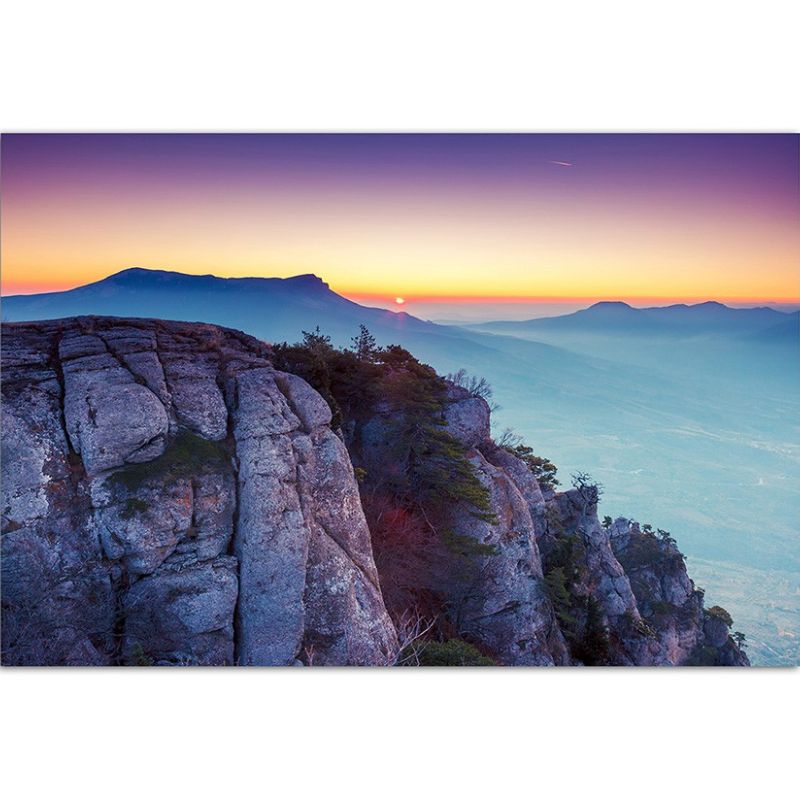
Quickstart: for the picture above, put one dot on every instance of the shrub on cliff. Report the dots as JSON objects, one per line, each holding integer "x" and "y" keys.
{"x": 648, "y": 548}
{"x": 703, "y": 656}
{"x": 310, "y": 359}
{"x": 452, "y": 653}
{"x": 720, "y": 613}
{"x": 435, "y": 472}
{"x": 542, "y": 468}
{"x": 557, "y": 587}
{"x": 364, "y": 345}
{"x": 589, "y": 490}
{"x": 593, "y": 647}
{"x": 476, "y": 386}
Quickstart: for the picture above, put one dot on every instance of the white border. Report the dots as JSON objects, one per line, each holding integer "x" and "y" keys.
{"x": 399, "y": 66}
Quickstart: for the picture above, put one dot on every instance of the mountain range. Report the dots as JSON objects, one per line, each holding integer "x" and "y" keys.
{"x": 615, "y": 317}
{"x": 272, "y": 306}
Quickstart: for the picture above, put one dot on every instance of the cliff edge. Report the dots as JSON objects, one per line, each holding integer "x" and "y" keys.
{"x": 178, "y": 493}
{"x": 171, "y": 498}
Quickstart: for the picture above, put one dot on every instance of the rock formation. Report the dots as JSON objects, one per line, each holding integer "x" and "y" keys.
{"x": 169, "y": 497}
{"x": 626, "y": 598}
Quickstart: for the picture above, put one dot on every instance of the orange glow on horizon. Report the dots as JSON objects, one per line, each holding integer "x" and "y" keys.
{"x": 365, "y": 298}
{"x": 357, "y": 294}
{"x": 668, "y": 219}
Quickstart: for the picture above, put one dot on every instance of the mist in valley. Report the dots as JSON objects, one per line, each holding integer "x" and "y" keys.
{"x": 694, "y": 430}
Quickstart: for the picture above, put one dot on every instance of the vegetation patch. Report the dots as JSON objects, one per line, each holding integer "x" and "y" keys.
{"x": 452, "y": 653}
{"x": 563, "y": 568}
{"x": 580, "y": 617}
{"x": 463, "y": 545}
{"x": 642, "y": 551}
{"x": 542, "y": 468}
{"x": 557, "y": 588}
{"x": 187, "y": 455}
{"x": 593, "y": 646}
{"x": 720, "y": 613}
{"x": 434, "y": 473}
{"x": 703, "y": 656}
{"x": 660, "y": 608}
{"x": 138, "y": 657}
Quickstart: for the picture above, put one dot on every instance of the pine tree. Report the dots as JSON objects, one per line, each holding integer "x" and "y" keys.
{"x": 364, "y": 345}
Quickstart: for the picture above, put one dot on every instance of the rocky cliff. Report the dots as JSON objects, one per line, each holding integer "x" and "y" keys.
{"x": 548, "y": 584}
{"x": 170, "y": 497}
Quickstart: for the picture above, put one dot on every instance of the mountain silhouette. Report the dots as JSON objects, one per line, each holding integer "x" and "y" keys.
{"x": 274, "y": 309}
{"x": 615, "y": 318}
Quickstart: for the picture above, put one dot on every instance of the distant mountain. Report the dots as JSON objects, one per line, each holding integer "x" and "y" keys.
{"x": 717, "y": 317}
{"x": 616, "y": 318}
{"x": 788, "y": 330}
{"x": 272, "y": 308}
{"x": 280, "y": 309}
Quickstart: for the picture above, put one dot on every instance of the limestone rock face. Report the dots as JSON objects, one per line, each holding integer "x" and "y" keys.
{"x": 522, "y": 477}
{"x": 467, "y": 417}
{"x": 487, "y": 571}
{"x": 605, "y": 576}
{"x": 506, "y": 607}
{"x": 181, "y": 615}
{"x": 299, "y": 505}
{"x": 169, "y": 498}
{"x": 111, "y": 419}
{"x": 682, "y": 630}
{"x": 58, "y": 601}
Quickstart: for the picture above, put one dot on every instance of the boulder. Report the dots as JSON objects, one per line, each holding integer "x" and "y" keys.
{"x": 467, "y": 417}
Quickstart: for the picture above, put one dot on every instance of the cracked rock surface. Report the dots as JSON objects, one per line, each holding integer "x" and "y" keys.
{"x": 169, "y": 498}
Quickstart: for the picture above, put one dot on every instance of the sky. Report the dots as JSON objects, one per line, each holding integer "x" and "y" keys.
{"x": 431, "y": 219}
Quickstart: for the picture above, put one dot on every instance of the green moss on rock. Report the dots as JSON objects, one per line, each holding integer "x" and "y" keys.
{"x": 188, "y": 454}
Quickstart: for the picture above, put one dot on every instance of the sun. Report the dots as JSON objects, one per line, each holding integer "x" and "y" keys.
{"x": 399, "y": 300}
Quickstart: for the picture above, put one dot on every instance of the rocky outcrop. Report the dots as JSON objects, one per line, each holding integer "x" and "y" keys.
{"x": 629, "y": 598}
{"x": 681, "y": 630}
{"x": 467, "y": 417}
{"x": 486, "y": 572}
{"x": 507, "y": 609}
{"x": 573, "y": 541}
{"x": 545, "y": 582}
{"x": 170, "y": 498}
